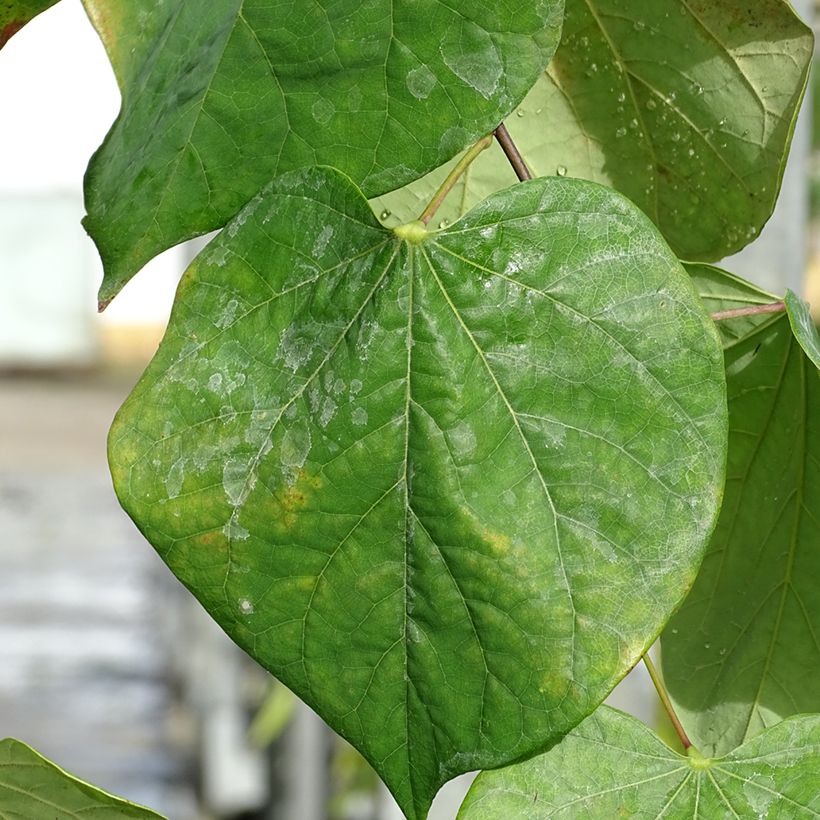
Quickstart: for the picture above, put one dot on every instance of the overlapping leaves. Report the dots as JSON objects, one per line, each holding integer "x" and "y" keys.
{"x": 744, "y": 651}
{"x": 33, "y": 787}
{"x": 614, "y": 766}
{"x": 446, "y": 489}
{"x": 685, "y": 106}
{"x": 219, "y": 97}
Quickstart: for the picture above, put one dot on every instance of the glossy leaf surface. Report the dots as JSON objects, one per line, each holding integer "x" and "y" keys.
{"x": 449, "y": 491}
{"x": 685, "y": 106}
{"x": 743, "y": 652}
{"x": 14, "y": 14}
{"x": 219, "y": 97}
{"x": 33, "y": 787}
{"x": 612, "y": 765}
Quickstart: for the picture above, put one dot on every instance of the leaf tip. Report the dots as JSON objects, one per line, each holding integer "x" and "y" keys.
{"x": 9, "y": 30}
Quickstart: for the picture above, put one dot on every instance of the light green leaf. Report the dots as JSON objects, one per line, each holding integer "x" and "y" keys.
{"x": 803, "y": 326}
{"x": 273, "y": 716}
{"x": 446, "y": 491}
{"x": 743, "y": 652}
{"x": 685, "y": 106}
{"x": 33, "y": 787}
{"x": 219, "y": 97}
{"x": 14, "y": 14}
{"x": 613, "y": 766}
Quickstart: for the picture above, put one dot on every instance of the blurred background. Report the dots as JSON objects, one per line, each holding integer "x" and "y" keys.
{"x": 107, "y": 665}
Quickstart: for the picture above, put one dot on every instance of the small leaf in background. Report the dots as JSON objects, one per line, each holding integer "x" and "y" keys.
{"x": 685, "y": 106}
{"x": 14, "y": 14}
{"x": 803, "y": 326}
{"x": 273, "y": 716}
{"x": 743, "y": 651}
{"x": 33, "y": 787}
{"x": 612, "y": 766}
{"x": 219, "y": 97}
{"x": 447, "y": 492}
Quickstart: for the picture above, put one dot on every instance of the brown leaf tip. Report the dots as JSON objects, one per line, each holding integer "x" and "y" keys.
{"x": 9, "y": 30}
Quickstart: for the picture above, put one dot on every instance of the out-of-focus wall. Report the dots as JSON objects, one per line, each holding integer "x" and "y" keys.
{"x": 58, "y": 96}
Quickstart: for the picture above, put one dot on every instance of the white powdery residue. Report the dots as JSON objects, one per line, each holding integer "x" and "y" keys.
{"x": 236, "y": 480}
{"x": 359, "y": 416}
{"x": 175, "y": 477}
{"x": 420, "y": 82}
{"x": 228, "y": 314}
{"x": 245, "y": 606}
{"x": 328, "y": 411}
{"x": 295, "y": 447}
{"x": 227, "y": 414}
{"x": 242, "y": 217}
{"x": 474, "y": 59}
{"x": 554, "y": 434}
{"x": 463, "y": 438}
{"x": 215, "y": 382}
{"x": 218, "y": 255}
{"x": 325, "y": 235}
{"x": 355, "y": 387}
{"x": 322, "y": 111}
{"x": 167, "y": 429}
{"x": 516, "y": 263}
{"x": 235, "y": 531}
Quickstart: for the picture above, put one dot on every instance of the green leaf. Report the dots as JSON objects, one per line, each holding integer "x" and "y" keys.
{"x": 686, "y": 107}
{"x": 14, "y": 14}
{"x": 33, "y": 787}
{"x": 803, "y": 326}
{"x": 219, "y": 97}
{"x": 743, "y": 652}
{"x": 447, "y": 489}
{"x": 273, "y": 716}
{"x": 612, "y": 765}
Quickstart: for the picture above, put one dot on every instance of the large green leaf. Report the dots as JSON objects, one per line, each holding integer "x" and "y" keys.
{"x": 218, "y": 97}
{"x": 446, "y": 489}
{"x": 14, "y": 14}
{"x": 32, "y": 787}
{"x": 685, "y": 106}
{"x": 743, "y": 652}
{"x": 614, "y": 766}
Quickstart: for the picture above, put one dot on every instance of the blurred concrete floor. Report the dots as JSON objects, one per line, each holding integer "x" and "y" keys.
{"x": 84, "y": 645}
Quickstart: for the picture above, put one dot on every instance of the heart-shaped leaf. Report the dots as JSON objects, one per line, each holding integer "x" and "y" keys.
{"x": 218, "y": 97}
{"x": 14, "y": 14}
{"x": 447, "y": 487}
{"x": 33, "y": 787}
{"x": 685, "y": 106}
{"x": 612, "y": 765}
{"x": 743, "y": 651}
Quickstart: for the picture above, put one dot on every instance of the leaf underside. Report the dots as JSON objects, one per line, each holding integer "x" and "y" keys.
{"x": 220, "y": 97}
{"x": 803, "y": 326}
{"x": 685, "y": 106}
{"x": 14, "y": 14}
{"x": 744, "y": 650}
{"x": 446, "y": 492}
{"x": 614, "y": 766}
{"x": 33, "y": 787}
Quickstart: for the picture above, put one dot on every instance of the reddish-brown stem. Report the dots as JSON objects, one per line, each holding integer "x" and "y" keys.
{"x": 512, "y": 152}
{"x": 774, "y": 307}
